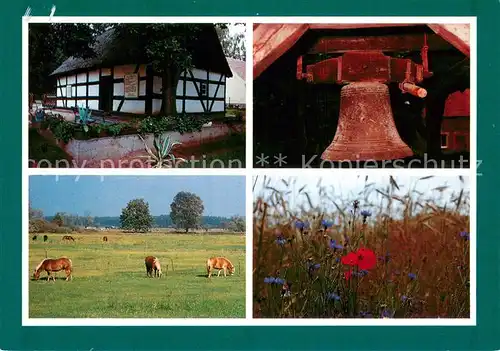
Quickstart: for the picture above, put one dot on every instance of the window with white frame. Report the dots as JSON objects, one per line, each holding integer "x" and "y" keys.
{"x": 444, "y": 140}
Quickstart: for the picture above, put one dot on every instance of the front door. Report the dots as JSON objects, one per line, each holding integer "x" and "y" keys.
{"x": 106, "y": 94}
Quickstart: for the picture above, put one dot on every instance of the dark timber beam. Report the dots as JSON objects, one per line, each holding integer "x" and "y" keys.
{"x": 386, "y": 43}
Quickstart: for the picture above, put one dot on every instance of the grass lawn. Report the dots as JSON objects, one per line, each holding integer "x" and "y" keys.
{"x": 227, "y": 153}
{"x": 109, "y": 279}
{"x": 41, "y": 148}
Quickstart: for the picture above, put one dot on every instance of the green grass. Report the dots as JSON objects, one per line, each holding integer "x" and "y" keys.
{"x": 220, "y": 154}
{"x": 41, "y": 148}
{"x": 109, "y": 279}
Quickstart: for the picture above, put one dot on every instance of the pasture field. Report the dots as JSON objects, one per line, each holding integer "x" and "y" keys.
{"x": 388, "y": 252}
{"x": 109, "y": 278}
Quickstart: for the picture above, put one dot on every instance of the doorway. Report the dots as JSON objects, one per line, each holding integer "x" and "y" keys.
{"x": 106, "y": 94}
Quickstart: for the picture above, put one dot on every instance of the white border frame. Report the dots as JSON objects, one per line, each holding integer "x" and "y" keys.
{"x": 249, "y": 172}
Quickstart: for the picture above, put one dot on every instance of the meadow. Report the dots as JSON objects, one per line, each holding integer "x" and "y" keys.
{"x": 388, "y": 251}
{"x": 109, "y": 278}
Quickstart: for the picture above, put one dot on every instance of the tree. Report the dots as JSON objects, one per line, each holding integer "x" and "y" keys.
{"x": 52, "y": 43}
{"x": 168, "y": 46}
{"x": 136, "y": 216}
{"x": 186, "y": 210}
{"x": 34, "y": 213}
{"x": 232, "y": 45}
{"x": 88, "y": 219}
{"x": 59, "y": 219}
{"x": 237, "y": 224}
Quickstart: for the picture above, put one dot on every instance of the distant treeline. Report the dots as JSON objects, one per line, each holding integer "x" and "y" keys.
{"x": 162, "y": 221}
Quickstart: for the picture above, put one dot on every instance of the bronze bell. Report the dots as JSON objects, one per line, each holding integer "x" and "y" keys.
{"x": 366, "y": 129}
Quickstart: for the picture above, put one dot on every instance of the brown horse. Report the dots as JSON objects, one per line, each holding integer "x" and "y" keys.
{"x": 50, "y": 265}
{"x": 104, "y": 238}
{"x": 153, "y": 267}
{"x": 45, "y": 238}
{"x": 68, "y": 238}
{"x": 219, "y": 263}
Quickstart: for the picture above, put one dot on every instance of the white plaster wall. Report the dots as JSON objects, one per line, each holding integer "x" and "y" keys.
{"x": 157, "y": 105}
{"x": 94, "y": 76}
{"x": 120, "y": 71}
{"x": 94, "y": 90}
{"x": 235, "y": 90}
{"x": 192, "y": 106}
{"x": 93, "y": 104}
{"x": 81, "y": 91}
{"x": 130, "y": 106}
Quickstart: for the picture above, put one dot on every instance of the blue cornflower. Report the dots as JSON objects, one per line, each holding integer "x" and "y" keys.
{"x": 327, "y": 224}
{"x": 313, "y": 266}
{"x": 385, "y": 258}
{"x": 362, "y": 273}
{"x": 306, "y": 225}
{"x": 269, "y": 280}
{"x": 364, "y": 314}
{"x": 387, "y": 313}
{"x": 404, "y": 298}
{"x": 334, "y": 245}
{"x": 337, "y": 259}
{"x": 299, "y": 225}
{"x": 465, "y": 235}
{"x": 280, "y": 240}
{"x": 273, "y": 280}
{"x": 412, "y": 276}
{"x": 332, "y": 296}
{"x": 366, "y": 213}
{"x": 279, "y": 281}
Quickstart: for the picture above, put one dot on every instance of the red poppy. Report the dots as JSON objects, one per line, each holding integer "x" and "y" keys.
{"x": 366, "y": 259}
{"x": 351, "y": 259}
{"x": 348, "y": 275}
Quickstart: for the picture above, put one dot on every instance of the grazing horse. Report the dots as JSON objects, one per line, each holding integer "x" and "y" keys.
{"x": 68, "y": 238}
{"x": 45, "y": 238}
{"x": 34, "y": 237}
{"x": 219, "y": 263}
{"x": 153, "y": 268}
{"x": 50, "y": 265}
{"x": 104, "y": 238}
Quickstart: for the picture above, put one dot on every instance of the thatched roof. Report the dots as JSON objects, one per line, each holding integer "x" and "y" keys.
{"x": 271, "y": 41}
{"x": 237, "y": 67}
{"x": 208, "y": 54}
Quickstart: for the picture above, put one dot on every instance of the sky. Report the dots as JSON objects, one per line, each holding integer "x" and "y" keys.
{"x": 350, "y": 186}
{"x": 107, "y": 195}
{"x": 233, "y": 29}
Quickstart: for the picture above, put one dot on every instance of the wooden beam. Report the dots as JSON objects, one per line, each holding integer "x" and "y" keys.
{"x": 386, "y": 43}
{"x": 457, "y": 35}
{"x": 359, "y": 25}
{"x": 273, "y": 40}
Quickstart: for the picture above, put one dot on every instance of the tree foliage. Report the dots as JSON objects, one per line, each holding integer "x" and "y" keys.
{"x": 186, "y": 210}
{"x": 59, "y": 219}
{"x": 34, "y": 213}
{"x": 236, "y": 224}
{"x": 233, "y": 45}
{"x": 50, "y": 44}
{"x": 136, "y": 216}
{"x": 167, "y": 46}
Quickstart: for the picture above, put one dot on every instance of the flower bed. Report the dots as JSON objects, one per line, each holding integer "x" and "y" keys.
{"x": 84, "y": 147}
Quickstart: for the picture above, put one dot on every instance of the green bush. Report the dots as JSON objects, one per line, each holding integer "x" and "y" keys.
{"x": 182, "y": 123}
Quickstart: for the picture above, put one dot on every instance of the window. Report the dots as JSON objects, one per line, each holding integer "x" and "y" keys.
{"x": 204, "y": 89}
{"x": 444, "y": 141}
{"x": 69, "y": 91}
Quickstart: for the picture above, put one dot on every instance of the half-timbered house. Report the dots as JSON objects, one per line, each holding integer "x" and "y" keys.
{"x": 115, "y": 82}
